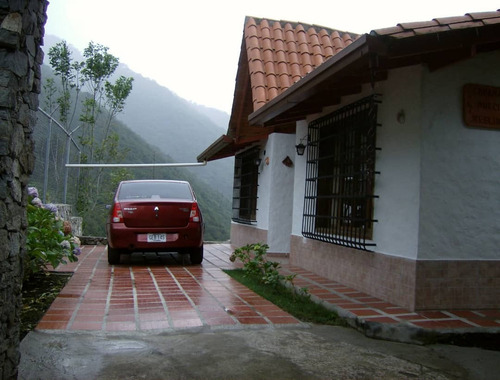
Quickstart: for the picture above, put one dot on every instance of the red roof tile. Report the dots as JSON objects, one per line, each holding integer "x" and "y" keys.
{"x": 491, "y": 21}
{"x": 276, "y": 54}
{"x": 280, "y": 53}
{"x": 470, "y": 20}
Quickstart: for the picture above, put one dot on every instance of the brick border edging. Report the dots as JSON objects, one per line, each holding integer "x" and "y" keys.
{"x": 406, "y": 333}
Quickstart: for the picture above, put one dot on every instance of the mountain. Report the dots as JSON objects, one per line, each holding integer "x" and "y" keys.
{"x": 219, "y": 117}
{"x": 156, "y": 126}
{"x": 180, "y": 128}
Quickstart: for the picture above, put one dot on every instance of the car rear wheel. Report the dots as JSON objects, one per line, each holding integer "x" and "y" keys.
{"x": 113, "y": 256}
{"x": 196, "y": 255}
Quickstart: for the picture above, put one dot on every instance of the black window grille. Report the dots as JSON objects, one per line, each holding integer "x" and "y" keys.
{"x": 246, "y": 174}
{"x": 340, "y": 173}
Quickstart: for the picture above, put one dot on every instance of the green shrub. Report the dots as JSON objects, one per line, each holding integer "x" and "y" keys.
{"x": 253, "y": 257}
{"x": 46, "y": 243}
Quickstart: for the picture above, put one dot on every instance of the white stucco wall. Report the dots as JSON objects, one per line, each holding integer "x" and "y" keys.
{"x": 398, "y": 184}
{"x": 299, "y": 181}
{"x": 397, "y": 208}
{"x": 281, "y": 146}
{"x": 439, "y": 182}
{"x": 275, "y": 192}
{"x": 264, "y": 190}
{"x": 460, "y": 200}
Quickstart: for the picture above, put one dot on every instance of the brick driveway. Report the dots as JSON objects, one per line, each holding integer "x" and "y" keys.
{"x": 161, "y": 293}
{"x": 150, "y": 292}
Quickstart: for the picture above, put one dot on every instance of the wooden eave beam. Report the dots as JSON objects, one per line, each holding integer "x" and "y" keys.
{"x": 330, "y": 94}
{"x": 441, "y": 43}
{"x": 307, "y": 86}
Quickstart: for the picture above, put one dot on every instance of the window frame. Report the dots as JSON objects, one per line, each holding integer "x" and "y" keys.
{"x": 245, "y": 186}
{"x": 340, "y": 176}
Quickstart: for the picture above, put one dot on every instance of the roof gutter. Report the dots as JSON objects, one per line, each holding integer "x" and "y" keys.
{"x": 304, "y": 88}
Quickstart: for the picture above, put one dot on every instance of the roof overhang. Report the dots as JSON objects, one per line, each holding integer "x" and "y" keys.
{"x": 226, "y": 146}
{"x": 220, "y": 148}
{"x": 368, "y": 60}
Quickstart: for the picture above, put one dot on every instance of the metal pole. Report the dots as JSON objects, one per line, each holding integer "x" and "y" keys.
{"x": 78, "y": 177}
{"x": 172, "y": 165}
{"x": 47, "y": 158}
{"x": 68, "y": 146}
{"x": 59, "y": 125}
{"x": 66, "y": 169}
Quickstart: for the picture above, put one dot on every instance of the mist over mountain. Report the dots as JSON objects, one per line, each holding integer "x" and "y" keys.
{"x": 179, "y": 128}
{"x": 158, "y": 126}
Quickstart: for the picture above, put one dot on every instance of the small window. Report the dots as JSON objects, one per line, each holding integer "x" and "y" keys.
{"x": 245, "y": 186}
{"x": 155, "y": 190}
{"x": 338, "y": 204}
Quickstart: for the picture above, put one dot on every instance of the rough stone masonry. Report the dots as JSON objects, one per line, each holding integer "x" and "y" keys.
{"x": 21, "y": 35}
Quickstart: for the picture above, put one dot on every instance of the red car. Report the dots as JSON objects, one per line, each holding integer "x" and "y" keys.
{"x": 157, "y": 216}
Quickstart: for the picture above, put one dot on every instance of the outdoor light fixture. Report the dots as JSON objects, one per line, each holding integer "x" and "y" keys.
{"x": 300, "y": 147}
{"x": 257, "y": 161}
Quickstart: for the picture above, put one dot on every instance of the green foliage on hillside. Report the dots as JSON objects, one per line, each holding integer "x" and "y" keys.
{"x": 215, "y": 207}
{"x": 164, "y": 119}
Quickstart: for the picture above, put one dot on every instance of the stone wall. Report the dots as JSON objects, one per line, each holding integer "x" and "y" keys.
{"x": 21, "y": 34}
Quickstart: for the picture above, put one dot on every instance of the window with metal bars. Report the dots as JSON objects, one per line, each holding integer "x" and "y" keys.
{"x": 340, "y": 174}
{"x": 246, "y": 174}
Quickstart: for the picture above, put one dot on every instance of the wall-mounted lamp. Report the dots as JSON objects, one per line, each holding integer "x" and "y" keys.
{"x": 301, "y": 147}
{"x": 257, "y": 161}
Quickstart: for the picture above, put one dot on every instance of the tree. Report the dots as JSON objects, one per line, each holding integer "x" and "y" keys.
{"x": 69, "y": 72}
{"x": 99, "y": 105}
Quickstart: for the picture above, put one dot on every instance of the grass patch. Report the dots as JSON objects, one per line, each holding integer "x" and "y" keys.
{"x": 298, "y": 305}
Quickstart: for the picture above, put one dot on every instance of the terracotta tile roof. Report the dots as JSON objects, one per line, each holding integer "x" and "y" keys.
{"x": 287, "y": 70}
{"x": 274, "y": 55}
{"x": 280, "y": 53}
{"x": 469, "y": 20}
{"x": 435, "y": 44}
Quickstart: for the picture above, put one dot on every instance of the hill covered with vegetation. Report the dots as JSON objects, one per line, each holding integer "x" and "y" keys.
{"x": 182, "y": 133}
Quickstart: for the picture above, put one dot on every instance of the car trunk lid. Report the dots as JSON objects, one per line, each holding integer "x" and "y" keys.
{"x": 151, "y": 214}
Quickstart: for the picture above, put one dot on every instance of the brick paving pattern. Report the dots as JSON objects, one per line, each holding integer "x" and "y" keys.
{"x": 148, "y": 293}
{"x": 367, "y": 308}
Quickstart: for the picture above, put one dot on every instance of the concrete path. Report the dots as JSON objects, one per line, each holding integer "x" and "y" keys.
{"x": 245, "y": 352}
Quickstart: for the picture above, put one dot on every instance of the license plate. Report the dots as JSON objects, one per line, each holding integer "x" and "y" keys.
{"x": 157, "y": 238}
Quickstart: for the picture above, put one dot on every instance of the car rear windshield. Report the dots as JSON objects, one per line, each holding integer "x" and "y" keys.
{"x": 155, "y": 190}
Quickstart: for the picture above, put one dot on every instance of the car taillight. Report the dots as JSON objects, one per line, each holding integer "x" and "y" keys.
{"x": 117, "y": 215}
{"x": 194, "y": 216}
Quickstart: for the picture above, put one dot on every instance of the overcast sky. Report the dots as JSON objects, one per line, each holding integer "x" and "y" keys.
{"x": 192, "y": 46}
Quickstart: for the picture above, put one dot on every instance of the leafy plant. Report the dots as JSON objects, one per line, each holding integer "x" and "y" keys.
{"x": 46, "y": 243}
{"x": 253, "y": 257}
{"x": 96, "y": 110}
{"x": 91, "y": 204}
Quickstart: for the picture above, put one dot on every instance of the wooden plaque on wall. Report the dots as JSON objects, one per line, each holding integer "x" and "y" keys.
{"x": 481, "y": 106}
